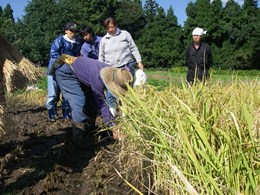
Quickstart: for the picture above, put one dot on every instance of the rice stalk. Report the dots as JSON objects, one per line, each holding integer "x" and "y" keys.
{"x": 28, "y": 98}
{"x": 204, "y": 130}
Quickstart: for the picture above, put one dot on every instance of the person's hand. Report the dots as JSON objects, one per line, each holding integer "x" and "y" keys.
{"x": 140, "y": 66}
{"x": 115, "y": 131}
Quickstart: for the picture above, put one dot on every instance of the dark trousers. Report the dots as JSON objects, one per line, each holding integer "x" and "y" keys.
{"x": 73, "y": 91}
{"x": 197, "y": 73}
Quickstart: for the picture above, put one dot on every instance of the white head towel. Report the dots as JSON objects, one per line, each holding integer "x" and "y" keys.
{"x": 198, "y": 31}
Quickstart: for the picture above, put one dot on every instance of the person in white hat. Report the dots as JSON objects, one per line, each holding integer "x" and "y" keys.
{"x": 198, "y": 57}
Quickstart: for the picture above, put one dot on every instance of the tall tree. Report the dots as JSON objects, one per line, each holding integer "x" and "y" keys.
{"x": 250, "y": 3}
{"x": 38, "y": 28}
{"x": 150, "y": 10}
{"x": 160, "y": 44}
{"x": 1, "y": 11}
{"x": 198, "y": 16}
{"x": 241, "y": 32}
{"x": 130, "y": 16}
{"x": 8, "y": 22}
{"x": 250, "y": 51}
{"x": 96, "y": 11}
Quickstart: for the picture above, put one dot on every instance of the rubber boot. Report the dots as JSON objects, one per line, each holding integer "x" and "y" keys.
{"x": 80, "y": 135}
{"x": 66, "y": 113}
{"x": 52, "y": 115}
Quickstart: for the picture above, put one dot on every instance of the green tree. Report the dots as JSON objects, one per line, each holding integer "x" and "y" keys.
{"x": 198, "y": 15}
{"x": 241, "y": 32}
{"x": 150, "y": 10}
{"x": 95, "y": 12}
{"x": 38, "y": 28}
{"x": 44, "y": 20}
{"x": 8, "y": 22}
{"x": 160, "y": 41}
{"x": 250, "y": 51}
{"x": 130, "y": 16}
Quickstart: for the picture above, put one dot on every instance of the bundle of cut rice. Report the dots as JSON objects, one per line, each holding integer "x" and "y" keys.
{"x": 1, "y": 120}
{"x": 16, "y": 69}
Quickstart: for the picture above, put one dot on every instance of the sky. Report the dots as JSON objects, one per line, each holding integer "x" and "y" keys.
{"x": 179, "y": 7}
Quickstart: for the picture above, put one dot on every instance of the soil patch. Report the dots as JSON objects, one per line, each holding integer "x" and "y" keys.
{"x": 37, "y": 158}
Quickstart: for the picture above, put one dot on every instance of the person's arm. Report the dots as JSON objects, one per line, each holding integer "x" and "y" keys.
{"x": 55, "y": 53}
{"x": 101, "y": 54}
{"x": 140, "y": 65}
{"x": 209, "y": 58}
{"x": 134, "y": 50}
{"x": 107, "y": 117}
{"x": 85, "y": 50}
{"x": 56, "y": 47}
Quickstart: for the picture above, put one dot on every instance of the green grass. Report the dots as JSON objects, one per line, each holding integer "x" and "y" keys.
{"x": 163, "y": 78}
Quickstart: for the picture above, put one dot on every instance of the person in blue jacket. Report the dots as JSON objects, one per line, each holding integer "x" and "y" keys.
{"x": 64, "y": 44}
{"x": 90, "y": 47}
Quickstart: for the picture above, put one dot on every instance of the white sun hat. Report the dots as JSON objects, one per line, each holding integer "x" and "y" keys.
{"x": 198, "y": 31}
{"x": 140, "y": 78}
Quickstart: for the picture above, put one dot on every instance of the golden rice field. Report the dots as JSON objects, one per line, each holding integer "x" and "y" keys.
{"x": 202, "y": 139}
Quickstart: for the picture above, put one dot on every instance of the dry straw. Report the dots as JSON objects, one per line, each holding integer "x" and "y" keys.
{"x": 17, "y": 70}
{"x": 1, "y": 120}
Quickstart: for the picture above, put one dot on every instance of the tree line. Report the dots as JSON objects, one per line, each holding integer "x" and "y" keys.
{"x": 232, "y": 30}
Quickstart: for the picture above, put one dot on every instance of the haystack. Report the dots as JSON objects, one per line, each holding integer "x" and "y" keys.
{"x": 17, "y": 70}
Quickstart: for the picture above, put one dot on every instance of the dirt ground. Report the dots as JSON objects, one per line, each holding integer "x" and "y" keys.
{"x": 37, "y": 158}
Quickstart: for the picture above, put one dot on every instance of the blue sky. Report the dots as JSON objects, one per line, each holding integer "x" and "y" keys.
{"x": 178, "y": 6}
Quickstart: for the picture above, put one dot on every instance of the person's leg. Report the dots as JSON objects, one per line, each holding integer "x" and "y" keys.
{"x": 190, "y": 76}
{"x": 52, "y": 98}
{"x": 73, "y": 92}
{"x": 203, "y": 74}
{"x": 71, "y": 89}
{"x": 91, "y": 108}
{"x": 111, "y": 100}
{"x": 66, "y": 111}
{"x": 131, "y": 69}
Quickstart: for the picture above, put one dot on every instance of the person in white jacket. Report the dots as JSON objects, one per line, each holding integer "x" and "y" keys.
{"x": 118, "y": 49}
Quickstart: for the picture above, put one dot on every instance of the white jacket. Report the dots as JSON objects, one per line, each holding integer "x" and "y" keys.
{"x": 118, "y": 50}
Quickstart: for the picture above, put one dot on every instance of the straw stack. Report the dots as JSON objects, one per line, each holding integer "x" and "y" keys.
{"x": 1, "y": 120}
{"x": 16, "y": 69}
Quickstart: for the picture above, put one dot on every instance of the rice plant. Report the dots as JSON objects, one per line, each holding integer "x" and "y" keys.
{"x": 201, "y": 139}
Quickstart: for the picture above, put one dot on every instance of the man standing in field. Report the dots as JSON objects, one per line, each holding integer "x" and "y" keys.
{"x": 198, "y": 57}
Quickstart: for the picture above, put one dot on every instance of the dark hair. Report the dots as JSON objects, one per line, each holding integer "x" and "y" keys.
{"x": 108, "y": 21}
{"x": 86, "y": 29}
